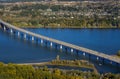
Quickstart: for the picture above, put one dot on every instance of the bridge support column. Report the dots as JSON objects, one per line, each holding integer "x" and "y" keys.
{"x": 51, "y": 44}
{"x": 11, "y": 31}
{"x": 84, "y": 54}
{"x": 71, "y": 50}
{"x": 18, "y": 33}
{"x": 60, "y": 47}
{"x": 32, "y": 38}
{"x": 97, "y": 58}
{"x": 4, "y": 28}
{"x": 41, "y": 41}
{"x": 24, "y": 36}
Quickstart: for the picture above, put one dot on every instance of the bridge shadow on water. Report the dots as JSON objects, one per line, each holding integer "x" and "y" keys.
{"x": 48, "y": 54}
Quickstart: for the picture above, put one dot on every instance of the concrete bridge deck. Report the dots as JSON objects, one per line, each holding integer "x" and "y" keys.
{"x": 74, "y": 47}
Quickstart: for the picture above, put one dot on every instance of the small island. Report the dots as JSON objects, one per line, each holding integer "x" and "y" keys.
{"x": 66, "y": 65}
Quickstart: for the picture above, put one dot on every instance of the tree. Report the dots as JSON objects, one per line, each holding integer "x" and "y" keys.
{"x": 57, "y": 72}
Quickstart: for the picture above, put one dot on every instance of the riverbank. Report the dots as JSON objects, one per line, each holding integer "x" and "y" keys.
{"x": 63, "y": 28}
{"x": 14, "y": 71}
{"x": 65, "y": 63}
{"x": 31, "y": 27}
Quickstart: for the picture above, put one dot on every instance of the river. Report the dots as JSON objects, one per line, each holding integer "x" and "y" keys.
{"x": 102, "y": 40}
{"x": 15, "y": 50}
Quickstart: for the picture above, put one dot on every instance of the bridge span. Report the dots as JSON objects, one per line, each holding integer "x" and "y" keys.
{"x": 60, "y": 45}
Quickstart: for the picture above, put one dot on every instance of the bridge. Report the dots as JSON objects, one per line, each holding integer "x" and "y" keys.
{"x": 60, "y": 45}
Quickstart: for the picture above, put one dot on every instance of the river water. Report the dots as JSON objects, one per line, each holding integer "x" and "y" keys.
{"x": 16, "y": 50}
{"x": 102, "y": 40}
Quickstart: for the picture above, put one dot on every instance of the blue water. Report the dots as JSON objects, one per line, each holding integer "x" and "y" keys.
{"x": 102, "y": 40}
{"x": 67, "y": 67}
{"x": 16, "y": 50}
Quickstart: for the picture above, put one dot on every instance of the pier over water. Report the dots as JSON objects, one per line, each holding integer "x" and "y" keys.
{"x": 60, "y": 45}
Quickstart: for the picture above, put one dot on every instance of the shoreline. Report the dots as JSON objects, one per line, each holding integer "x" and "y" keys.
{"x": 59, "y": 64}
{"x": 39, "y": 63}
{"x": 48, "y": 63}
{"x": 63, "y": 28}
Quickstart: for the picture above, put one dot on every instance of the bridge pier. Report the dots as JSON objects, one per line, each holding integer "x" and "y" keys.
{"x": 60, "y": 47}
{"x": 32, "y": 38}
{"x": 25, "y": 36}
{"x": 84, "y": 54}
{"x": 97, "y": 58}
{"x": 51, "y": 44}
{"x": 4, "y": 28}
{"x": 11, "y": 31}
{"x": 41, "y": 42}
{"x": 71, "y": 51}
{"x": 18, "y": 34}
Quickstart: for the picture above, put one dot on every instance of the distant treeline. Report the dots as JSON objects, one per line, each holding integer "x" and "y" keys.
{"x": 50, "y": 0}
{"x": 60, "y": 16}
